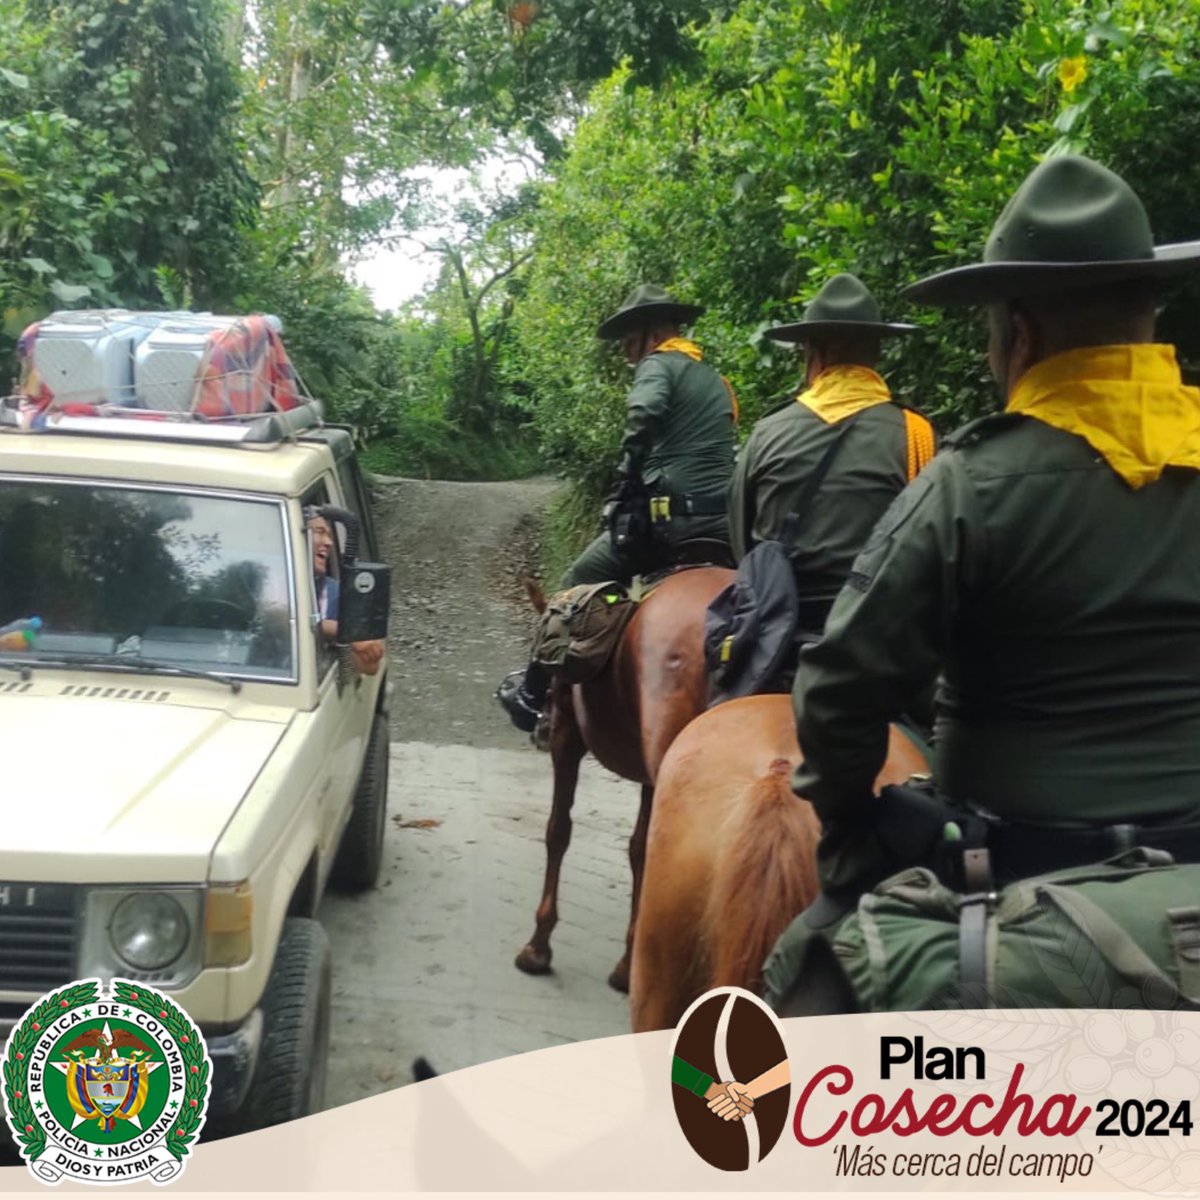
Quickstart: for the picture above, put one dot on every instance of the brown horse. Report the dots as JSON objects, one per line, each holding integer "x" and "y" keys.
{"x": 731, "y": 855}
{"x": 627, "y": 717}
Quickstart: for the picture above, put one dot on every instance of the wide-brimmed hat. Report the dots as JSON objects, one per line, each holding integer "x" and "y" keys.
{"x": 644, "y": 306}
{"x": 843, "y": 305}
{"x": 1071, "y": 224}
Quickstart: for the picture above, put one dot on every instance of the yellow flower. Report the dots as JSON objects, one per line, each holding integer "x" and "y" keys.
{"x": 1072, "y": 72}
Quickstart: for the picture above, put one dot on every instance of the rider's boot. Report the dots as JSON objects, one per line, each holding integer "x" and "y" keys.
{"x": 522, "y": 694}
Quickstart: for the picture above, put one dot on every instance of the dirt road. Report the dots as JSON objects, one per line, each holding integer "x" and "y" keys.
{"x": 423, "y": 965}
{"x": 459, "y": 617}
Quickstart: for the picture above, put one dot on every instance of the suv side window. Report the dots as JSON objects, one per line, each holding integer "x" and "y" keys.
{"x": 358, "y": 500}
{"x": 316, "y": 496}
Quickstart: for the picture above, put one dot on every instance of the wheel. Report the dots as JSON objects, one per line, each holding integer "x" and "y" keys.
{"x": 289, "y": 1080}
{"x": 360, "y": 854}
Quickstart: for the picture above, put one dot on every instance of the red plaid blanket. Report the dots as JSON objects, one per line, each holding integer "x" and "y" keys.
{"x": 245, "y": 369}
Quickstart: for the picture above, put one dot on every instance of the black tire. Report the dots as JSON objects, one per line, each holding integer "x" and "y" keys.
{"x": 289, "y": 1080}
{"x": 360, "y": 854}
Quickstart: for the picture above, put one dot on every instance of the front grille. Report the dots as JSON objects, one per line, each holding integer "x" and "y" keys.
{"x": 38, "y": 926}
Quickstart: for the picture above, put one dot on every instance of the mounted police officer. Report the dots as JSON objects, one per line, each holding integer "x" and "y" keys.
{"x": 818, "y": 473}
{"x": 675, "y": 462}
{"x": 1045, "y": 564}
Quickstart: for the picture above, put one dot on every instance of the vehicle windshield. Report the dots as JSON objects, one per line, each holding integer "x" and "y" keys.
{"x": 114, "y": 571}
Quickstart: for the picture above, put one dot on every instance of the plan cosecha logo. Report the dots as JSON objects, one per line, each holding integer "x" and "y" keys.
{"x": 105, "y": 1084}
{"x": 730, "y": 1079}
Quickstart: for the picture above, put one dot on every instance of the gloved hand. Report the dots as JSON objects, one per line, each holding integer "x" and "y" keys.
{"x": 627, "y": 488}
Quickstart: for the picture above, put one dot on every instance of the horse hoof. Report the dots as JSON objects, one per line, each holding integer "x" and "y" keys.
{"x": 533, "y": 962}
{"x": 619, "y": 979}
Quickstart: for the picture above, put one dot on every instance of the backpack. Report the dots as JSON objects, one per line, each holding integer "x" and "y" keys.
{"x": 580, "y": 629}
{"x": 750, "y": 626}
{"x": 1123, "y": 933}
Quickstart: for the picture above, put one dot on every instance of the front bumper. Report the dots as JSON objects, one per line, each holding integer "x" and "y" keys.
{"x": 234, "y": 1059}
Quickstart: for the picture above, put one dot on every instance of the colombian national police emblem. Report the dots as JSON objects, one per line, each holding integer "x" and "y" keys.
{"x": 105, "y": 1085}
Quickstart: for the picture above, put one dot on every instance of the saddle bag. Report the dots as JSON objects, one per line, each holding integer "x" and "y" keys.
{"x": 580, "y": 629}
{"x": 1124, "y": 933}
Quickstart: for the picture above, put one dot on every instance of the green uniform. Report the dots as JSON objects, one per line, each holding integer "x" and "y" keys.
{"x": 869, "y": 469}
{"x": 679, "y": 442}
{"x": 1060, "y": 603}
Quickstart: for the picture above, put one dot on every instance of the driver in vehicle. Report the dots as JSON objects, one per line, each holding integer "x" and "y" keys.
{"x": 367, "y": 656}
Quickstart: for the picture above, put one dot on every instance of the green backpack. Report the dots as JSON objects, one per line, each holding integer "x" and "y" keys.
{"x": 1124, "y": 933}
{"x": 580, "y": 629}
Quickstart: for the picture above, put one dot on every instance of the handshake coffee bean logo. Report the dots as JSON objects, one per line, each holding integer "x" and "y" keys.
{"x": 730, "y": 1080}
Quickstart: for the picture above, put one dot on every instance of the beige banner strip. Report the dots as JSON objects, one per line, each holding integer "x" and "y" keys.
{"x": 598, "y": 1117}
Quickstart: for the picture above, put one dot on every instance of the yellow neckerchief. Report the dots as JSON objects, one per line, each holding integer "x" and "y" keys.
{"x": 843, "y": 390}
{"x": 683, "y": 345}
{"x": 1127, "y": 402}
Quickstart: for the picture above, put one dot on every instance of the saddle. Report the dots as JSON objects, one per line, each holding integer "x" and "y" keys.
{"x": 685, "y": 556}
{"x": 580, "y": 627}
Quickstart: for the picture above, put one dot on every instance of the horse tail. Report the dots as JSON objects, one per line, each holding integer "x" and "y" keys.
{"x": 533, "y": 589}
{"x": 765, "y": 874}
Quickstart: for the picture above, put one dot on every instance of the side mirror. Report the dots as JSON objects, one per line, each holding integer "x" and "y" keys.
{"x": 365, "y": 602}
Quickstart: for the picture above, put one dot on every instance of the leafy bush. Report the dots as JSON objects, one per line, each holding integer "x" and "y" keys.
{"x": 118, "y": 156}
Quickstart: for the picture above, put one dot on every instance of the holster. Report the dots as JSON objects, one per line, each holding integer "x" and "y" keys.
{"x": 629, "y": 529}
{"x": 920, "y": 826}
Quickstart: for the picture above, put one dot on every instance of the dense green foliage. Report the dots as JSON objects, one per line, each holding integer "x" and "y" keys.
{"x": 121, "y": 179}
{"x": 824, "y": 137}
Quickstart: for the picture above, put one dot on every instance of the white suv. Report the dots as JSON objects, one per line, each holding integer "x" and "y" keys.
{"x": 187, "y": 756}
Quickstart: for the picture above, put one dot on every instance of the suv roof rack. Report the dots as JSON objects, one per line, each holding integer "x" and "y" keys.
{"x": 252, "y": 429}
{"x": 175, "y": 376}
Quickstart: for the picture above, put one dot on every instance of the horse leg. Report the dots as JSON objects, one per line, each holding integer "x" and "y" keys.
{"x": 670, "y": 954}
{"x": 566, "y": 754}
{"x": 619, "y": 979}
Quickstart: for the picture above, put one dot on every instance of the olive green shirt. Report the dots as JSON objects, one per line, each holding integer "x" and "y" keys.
{"x": 678, "y": 426}
{"x": 869, "y": 469}
{"x": 1062, "y": 608}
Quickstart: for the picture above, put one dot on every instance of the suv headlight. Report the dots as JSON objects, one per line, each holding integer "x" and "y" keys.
{"x": 153, "y": 934}
{"x": 149, "y": 930}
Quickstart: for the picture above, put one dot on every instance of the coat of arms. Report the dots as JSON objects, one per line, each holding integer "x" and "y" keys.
{"x": 105, "y": 1084}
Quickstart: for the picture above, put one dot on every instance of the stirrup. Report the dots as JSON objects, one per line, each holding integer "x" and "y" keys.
{"x": 514, "y": 700}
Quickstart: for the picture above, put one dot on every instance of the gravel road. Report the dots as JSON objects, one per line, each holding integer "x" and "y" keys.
{"x": 459, "y": 617}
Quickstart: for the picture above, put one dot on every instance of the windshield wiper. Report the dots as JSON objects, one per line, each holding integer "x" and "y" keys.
{"x": 131, "y": 662}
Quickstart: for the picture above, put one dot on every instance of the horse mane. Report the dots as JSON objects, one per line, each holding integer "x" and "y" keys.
{"x": 533, "y": 589}
{"x": 765, "y": 876}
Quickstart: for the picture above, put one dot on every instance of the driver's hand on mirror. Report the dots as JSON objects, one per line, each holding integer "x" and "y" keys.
{"x": 367, "y": 656}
